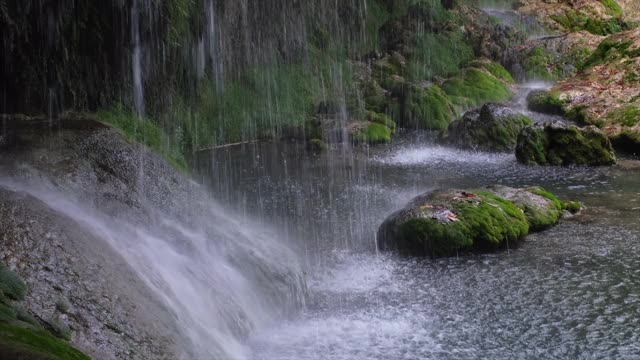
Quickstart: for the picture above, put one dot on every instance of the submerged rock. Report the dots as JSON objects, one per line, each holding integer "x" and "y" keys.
{"x": 493, "y": 127}
{"x": 560, "y": 144}
{"x": 451, "y": 222}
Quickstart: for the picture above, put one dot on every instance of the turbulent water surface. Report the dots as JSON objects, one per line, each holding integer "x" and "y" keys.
{"x": 570, "y": 292}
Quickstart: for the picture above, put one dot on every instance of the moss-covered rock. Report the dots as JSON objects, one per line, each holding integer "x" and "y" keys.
{"x": 558, "y": 144}
{"x": 547, "y": 102}
{"x": 427, "y": 108}
{"x": 541, "y": 208}
{"x": 493, "y": 127}
{"x": 380, "y": 118}
{"x": 371, "y": 133}
{"x": 452, "y": 222}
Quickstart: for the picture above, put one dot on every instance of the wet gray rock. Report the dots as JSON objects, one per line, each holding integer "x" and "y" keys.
{"x": 493, "y": 127}
{"x": 59, "y": 258}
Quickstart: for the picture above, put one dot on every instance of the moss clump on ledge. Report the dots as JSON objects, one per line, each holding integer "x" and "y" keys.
{"x": 428, "y": 108}
{"x": 476, "y": 86}
{"x": 372, "y": 133}
{"x": 145, "y": 131}
{"x": 547, "y": 102}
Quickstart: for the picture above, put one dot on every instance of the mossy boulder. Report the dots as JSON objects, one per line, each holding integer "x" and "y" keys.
{"x": 447, "y": 222}
{"x": 493, "y": 127}
{"x": 560, "y": 144}
{"x": 370, "y": 132}
{"x": 427, "y": 108}
{"x": 547, "y": 102}
{"x": 453, "y": 222}
{"x": 383, "y": 119}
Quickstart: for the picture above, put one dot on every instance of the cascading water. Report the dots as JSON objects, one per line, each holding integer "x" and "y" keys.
{"x": 136, "y": 57}
{"x": 221, "y": 279}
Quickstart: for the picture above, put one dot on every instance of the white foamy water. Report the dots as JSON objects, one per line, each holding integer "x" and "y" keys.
{"x": 433, "y": 154}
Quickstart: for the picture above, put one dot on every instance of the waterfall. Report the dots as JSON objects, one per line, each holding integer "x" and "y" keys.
{"x": 136, "y": 59}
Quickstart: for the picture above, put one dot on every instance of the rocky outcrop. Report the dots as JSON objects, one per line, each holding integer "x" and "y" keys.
{"x": 453, "y": 222}
{"x": 493, "y": 127}
{"x": 605, "y": 93}
{"x": 560, "y": 144}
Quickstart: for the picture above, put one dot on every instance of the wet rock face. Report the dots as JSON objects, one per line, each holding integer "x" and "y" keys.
{"x": 559, "y": 144}
{"x": 493, "y": 127}
{"x": 62, "y": 262}
{"x": 454, "y": 222}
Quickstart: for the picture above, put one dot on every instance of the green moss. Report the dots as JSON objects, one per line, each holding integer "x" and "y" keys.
{"x": 548, "y": 102}
{"x": 537, "y": 65}
{"x": 484, "y": 223}
{"x": 478, "y": 86}
{"x": 494, "y": 221}
{"x": 373, "y": 133}
{"x": 428, "y": 108}
{"x": 495, "y": 69}
{"x": 572, "y": 206}
{"x": 608, "y": 51}
{"x": 24, "y": 343}
{"x": 11, "y": 285}
{"x": 7, "y": 312}
{"x": 383, "y": 119}
{"x": 145, "y": 131}
{"x": 577, "y": 21}
{"x": 569, "y": 145}
{"x": 439, "y": 54}
{"x": 612, "y": 7}
{"x": 436, "y": 239}
{"x": 486, "y": 130}
{"x": 625, "y": 116}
